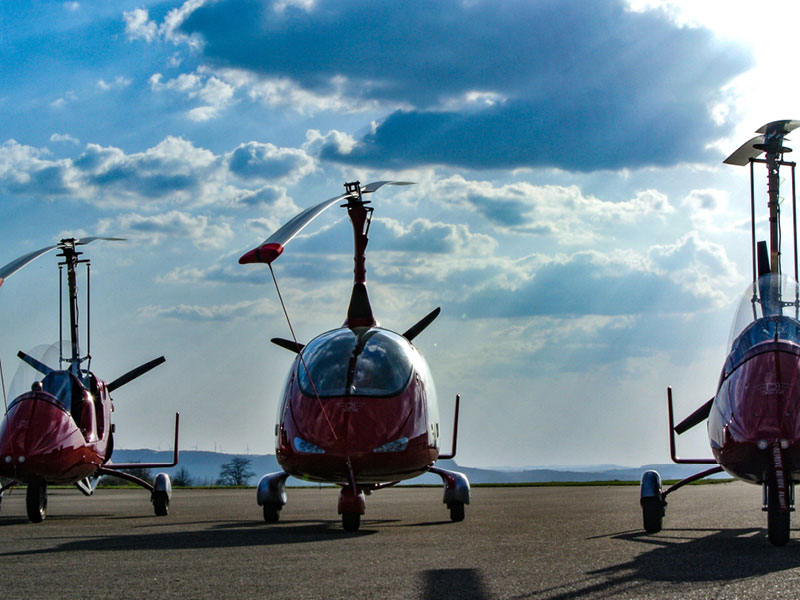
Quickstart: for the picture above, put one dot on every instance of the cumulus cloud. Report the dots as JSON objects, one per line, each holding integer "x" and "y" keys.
{"x": 213, "y": 93}
{"x": 258, "y": 161}
{"x": 561, "y": 211}
{"x": 484, "y": 83}
{"x": 173, "y": 171}
{"x": 174, "y": 224}
{"x": 219, "y": 312}
{"x": 118, "y": 83}
{"x": 64, "y": 137}
{"x": 682, "y": 278}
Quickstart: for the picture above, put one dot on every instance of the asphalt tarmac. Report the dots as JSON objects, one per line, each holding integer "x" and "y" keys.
{"x": 536, "y": 542}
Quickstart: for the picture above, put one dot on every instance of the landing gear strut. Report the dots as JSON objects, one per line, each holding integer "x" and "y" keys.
{"x": 36, "y": 501}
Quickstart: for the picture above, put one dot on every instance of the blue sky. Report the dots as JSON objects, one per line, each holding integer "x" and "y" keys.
{"x": 571, "y": 215}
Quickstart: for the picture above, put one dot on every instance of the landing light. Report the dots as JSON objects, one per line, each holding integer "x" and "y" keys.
{"x": 784, "y": 444}
{"x": 21, "y": 459}
{"x": 9, "y": 459}
{"x": 396, "y": 446}
{"x": 303, "y": 446}
{"x": 762, "y": 444}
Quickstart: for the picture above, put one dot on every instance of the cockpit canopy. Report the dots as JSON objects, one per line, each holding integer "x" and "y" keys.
{"x": 769, "y": 310}
{"x": 365, "y": 361}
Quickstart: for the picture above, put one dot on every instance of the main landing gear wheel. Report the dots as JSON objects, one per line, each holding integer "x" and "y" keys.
{"x": 456, "y": 511}
{"x": 652, "y": 514}
{"x": 36, "y": 502}
{"x": 351, "y": 521}
{"x": 160, "y": 503}
{"x": 272, "y": 512}
{"x": 778, "y": 523}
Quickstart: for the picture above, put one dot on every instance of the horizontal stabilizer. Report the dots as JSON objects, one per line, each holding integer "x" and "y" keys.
{"x": 134, "y": 373}
{"x": 697, "y": 417}
{"x": 39, "y": 366}
{"x": 420, "y": 325}
{"x": 288, "y": 344}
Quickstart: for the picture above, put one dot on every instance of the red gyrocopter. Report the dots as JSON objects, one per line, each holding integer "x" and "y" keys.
{"x": 359, "y": 406}
{"x": 754, "y": 419}
{"x": 60, "y": 432}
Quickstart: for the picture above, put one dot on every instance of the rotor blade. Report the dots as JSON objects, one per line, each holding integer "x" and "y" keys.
{"x": 288, "y": 344}
{"x": 134, "y": 373}
{"x": 273, "y": 245}
{"x": 15, "y": 265}
{"x": 39, "y": 366}
{"x": 745, "y": 152}
{"x": 90, "y": 239}
{"x": 697, "y": 417}
{"x": 420, "y": 325}
{"x": 376, "y": 185}
{"x": 780, "y": 128}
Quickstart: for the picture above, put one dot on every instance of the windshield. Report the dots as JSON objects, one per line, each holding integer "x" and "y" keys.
{"x": 769, "y": 310}
{"x": 25, "y": 374}
{"x": 356, "y": 362}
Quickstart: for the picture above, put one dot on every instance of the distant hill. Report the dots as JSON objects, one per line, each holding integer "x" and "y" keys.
{"x": 204, "y": 469}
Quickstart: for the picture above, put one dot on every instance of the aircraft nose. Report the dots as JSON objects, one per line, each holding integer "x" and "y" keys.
{"x": 33, "y": 433}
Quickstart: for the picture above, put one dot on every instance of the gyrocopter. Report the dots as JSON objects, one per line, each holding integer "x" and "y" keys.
{"x": 359, "y": 406}
{"x": 754, "y": 418}
{"x": 60, "y": 431}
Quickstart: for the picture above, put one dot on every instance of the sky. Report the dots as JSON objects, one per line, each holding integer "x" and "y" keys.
{"x": 571, "y": 213}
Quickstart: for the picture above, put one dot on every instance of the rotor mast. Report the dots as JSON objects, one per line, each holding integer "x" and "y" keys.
{"x": 70, "y": 255}
{"x": 774, "y": 157}
{"x": 359, "y": 312}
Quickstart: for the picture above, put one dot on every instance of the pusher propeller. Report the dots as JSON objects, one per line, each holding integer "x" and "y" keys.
{"x": 697, "y": 417}
{"x": 420, "y": 325}
{"x": 134, "y": 373}
{"x": 39, "y": 366}
{"x": 273, "y": 246}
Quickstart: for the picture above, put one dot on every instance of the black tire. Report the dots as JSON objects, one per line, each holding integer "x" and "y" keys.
{"x": 160, "y": 503}
{"x": 351, "y": 521}
{"x": 272, "y": 512}
{"x": 778, "y": 523}
{"x": 456, "y": 511}
{"x": 652, "y": 514}
{"x": 36, "y": 502}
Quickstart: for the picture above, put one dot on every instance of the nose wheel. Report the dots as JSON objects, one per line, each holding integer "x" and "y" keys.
{"x": 778, "y": 518}
{"x": 36, "y": 502}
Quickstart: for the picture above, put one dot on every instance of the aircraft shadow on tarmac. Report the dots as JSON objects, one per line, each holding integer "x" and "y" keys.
{"x": 223, "y": 535}
{"x": 724, "y": 555}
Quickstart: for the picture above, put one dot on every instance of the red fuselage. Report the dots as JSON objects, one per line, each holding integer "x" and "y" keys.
{"x": 42, "y": 439}
{"x": 757, "y": 405}
{"x": 385, "y": 437}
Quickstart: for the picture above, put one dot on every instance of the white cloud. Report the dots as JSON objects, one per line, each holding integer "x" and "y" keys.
{"x": 64, "y": 137}
{"x": 561, "y": 211}
{"x": 219, "y": 312}
{"x": 118, "y": 83}
{"x": 174, "y": 224}
{"x": 139, "y": 26}
{"x": 174, "y": 171}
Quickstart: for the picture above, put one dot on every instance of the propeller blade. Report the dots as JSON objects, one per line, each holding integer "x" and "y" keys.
{"x": 39, "y": 366}
{"x": 697, "y": 417}
{"x": 134, "y": 373}
{"x": 420, "y": 325}
{"x": 15, "y": 265}
{"x": 288, "y": 344}
{"x": 273, "y": 246}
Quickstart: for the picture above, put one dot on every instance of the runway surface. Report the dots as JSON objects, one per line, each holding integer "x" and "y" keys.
{"x": 562, "y": 542}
